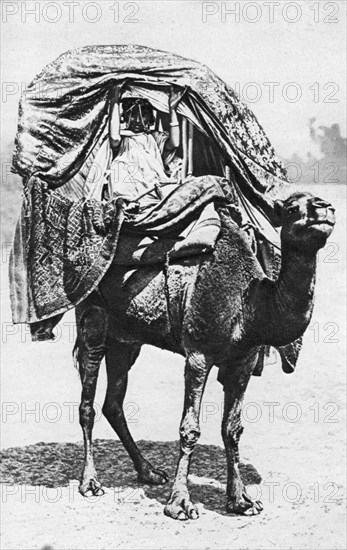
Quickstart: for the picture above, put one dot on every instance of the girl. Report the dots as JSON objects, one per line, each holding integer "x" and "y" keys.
{"x": 137, "y": 172}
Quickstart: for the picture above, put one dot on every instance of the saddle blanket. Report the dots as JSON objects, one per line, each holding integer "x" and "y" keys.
{"x": 198, "y": 238}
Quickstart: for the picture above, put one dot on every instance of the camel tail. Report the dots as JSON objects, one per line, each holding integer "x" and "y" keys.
{"x": 75, "y": 354}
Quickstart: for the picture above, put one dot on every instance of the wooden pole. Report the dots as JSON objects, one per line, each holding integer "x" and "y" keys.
{"x": 184, "y": 149}
{"x": 190, "y": 148}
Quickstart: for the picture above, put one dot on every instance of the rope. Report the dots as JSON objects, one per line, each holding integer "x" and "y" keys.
{"x": 167, "y": 296}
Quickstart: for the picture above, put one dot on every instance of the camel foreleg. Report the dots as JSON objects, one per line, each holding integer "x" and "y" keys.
{"x": 179, "y": 505}
{"x": 238, "y": 501}
{"x": 90, "y": 351}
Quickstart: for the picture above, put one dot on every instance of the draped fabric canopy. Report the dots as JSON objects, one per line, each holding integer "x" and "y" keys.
{"x": 64, "y": 113}
{"x": 64, "y": 246}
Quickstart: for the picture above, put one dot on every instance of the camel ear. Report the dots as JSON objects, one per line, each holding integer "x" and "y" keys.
{"x": 277, "y": 213}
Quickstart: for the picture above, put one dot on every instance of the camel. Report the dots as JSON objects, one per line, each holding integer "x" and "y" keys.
{"x": 217, "y": 309}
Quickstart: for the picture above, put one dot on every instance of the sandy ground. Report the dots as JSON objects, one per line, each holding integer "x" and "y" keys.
{"x": 294, "y": 439}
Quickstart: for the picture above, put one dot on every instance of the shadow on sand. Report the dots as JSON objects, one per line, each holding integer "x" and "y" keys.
{"x": 55, "y": 464}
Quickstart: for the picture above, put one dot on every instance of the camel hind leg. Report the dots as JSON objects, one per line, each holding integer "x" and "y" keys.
{"x": 119, "y": 359}
{"x": 90, "y": 349}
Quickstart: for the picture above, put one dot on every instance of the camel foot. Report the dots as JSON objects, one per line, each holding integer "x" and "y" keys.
{"x": 181, "y": 509}
{"x": 91, "y": 487}
{"x": 244, "y": 505}
{"x": 152, "y": 476}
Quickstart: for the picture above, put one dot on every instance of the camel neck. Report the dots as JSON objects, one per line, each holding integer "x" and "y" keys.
{"x": 297, "y": 276}
{"x": 285, "y": 305}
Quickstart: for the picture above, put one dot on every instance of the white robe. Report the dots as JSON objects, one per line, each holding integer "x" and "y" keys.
{"x": 138, "y": 167}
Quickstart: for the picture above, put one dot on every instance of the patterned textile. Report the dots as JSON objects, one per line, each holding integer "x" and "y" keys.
{"x": 69, "y": 247}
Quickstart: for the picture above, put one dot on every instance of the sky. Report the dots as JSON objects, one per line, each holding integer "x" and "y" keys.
{"x": 287, "y": 59}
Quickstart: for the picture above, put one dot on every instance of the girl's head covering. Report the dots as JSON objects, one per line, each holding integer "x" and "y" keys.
{"x": 143, "y": 105}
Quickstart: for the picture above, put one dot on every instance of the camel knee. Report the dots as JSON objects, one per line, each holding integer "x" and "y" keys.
{"x": 112, "y": 408}
{"x": 86, "y": 414}
{"x": 189, "y": 434}
{"x": 232, "y": 431}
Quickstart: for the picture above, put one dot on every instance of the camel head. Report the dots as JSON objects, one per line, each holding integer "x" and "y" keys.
{"x": 307, "y": 221}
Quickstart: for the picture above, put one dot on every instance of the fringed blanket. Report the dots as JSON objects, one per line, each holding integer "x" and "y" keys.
{"x": 61, "y": 251}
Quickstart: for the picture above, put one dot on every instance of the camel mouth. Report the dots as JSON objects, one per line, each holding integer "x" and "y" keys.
{"x": 321, "y": 222}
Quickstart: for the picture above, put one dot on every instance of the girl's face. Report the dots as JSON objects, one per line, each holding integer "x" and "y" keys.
{"x": 138, "y": 120}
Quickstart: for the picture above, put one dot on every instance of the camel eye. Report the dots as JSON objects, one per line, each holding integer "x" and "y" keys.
{"x": 293, "y": 208}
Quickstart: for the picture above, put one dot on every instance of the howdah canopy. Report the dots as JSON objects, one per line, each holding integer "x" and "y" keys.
{"x": 64, "y": 244}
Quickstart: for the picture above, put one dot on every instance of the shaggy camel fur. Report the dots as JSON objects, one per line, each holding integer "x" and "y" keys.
{"x": 215, "y": 310}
